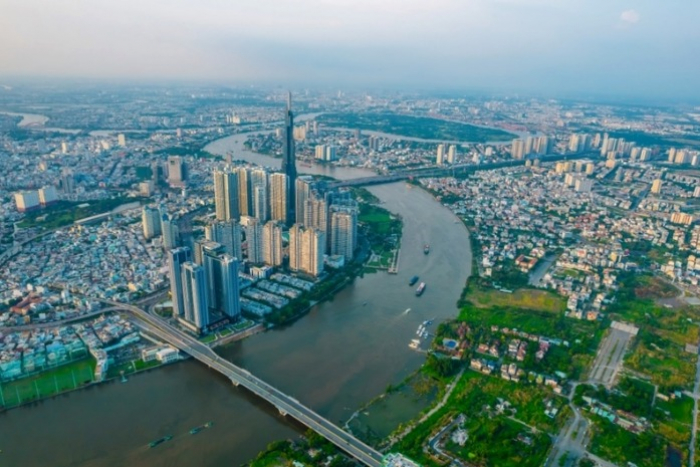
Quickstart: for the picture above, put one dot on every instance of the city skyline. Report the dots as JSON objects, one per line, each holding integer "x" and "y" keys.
{"x": 576, "y": 48}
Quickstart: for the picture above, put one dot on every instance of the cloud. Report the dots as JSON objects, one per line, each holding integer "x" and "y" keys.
{"x": 630, "y": 16}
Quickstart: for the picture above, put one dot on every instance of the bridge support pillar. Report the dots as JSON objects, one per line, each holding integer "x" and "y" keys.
{"x": 235, "y": 383}
{"x": 284, "y": 414}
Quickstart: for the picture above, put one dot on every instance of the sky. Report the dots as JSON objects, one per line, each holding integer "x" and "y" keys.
{"x": 647, "y": 48}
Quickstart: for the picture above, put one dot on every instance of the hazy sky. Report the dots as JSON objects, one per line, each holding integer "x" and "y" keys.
{"x": 642, "y": 47}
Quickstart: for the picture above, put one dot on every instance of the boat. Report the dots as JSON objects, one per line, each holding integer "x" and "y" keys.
{"x": 155, "y": 443}
{"x": 426, "y": 248}
{"x": 413, "y": 280}
{"x": 414, "y": 343}
{"x": 420, "y": 289}
{"x": 407, "y": 310}
{"x": 199, "y": 428}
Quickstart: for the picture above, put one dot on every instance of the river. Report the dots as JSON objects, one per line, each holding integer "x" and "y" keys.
{"x": 342, "y": 354}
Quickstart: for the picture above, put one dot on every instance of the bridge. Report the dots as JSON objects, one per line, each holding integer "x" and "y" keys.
{"x": 451, "y": 171}
{"x": 286, "y": 405}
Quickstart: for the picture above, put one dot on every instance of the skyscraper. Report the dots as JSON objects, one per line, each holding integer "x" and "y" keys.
{"x": 272, "y": 243}
{"x": 150, "y": 218}
{"x": 195, "y": 301}
{"x": 656, "y": 186}
{"x": 278, "y": 197}
{"x": 343, "y": 232}
{"x": 306, "y": 250}
{"x": 170, "y": 230}
{"x": 245, "y": 197}
{"x": 222, "y": 280}
{"x": 316, "y": 213}
{"x": 253, "y": 237}
{"x": 177, "y": 171}
{"x": 260, "y": 192}
{"x": 451, "y": 154}
{"x": 440, "y": 154}
{"x": 304, "y": 185}
{"x": 176, "y": 258}
{"x": 288, "y": 159}
{"x": 226, "y": 195}
{"x": 228, "y": 234}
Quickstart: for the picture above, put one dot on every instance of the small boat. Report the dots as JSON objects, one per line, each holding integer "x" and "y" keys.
{"x": 407, "y": 310}
{"x": 420, "y": 289}
{"x": 413, "y": 280}
{"x": 199, "y": 428}
{"x": 155, "y": 443}
{"x": 426, "y": 249}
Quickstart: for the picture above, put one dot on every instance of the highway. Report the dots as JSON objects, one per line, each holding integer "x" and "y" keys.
{"x": 287, "y": 405}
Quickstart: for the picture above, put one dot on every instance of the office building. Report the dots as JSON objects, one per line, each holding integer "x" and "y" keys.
{"x": 176, "y": 258}
{"x": 27, "y": 200}
{"x": 121, "y": 140}
{"x": 272, "y": 244}
{"x": 656, "y": 186}
{"x": 253, "y": 238}
{"x": 170, "y": 230}
{"x": 278, "y": 197}
{"x": 439, "y": 159}
{"x": 289, "y": 167}
{"x": 177, "y": 171}
{"x": 151, "y": 220}
{"x": 228, "y": 234}
{"x": 343, "y": 232}
{"x": 226, "y": 195}
{"x": 194, "y": 296}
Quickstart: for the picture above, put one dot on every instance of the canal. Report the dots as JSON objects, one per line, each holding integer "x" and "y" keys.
{"x": 343, "y": 353}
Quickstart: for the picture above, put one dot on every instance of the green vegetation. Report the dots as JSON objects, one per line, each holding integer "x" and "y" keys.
{"x": 529, "y": 299}
{"x": 415, "y": 127}
{"x": 614, "y": 443}
{"x": 128, "y": 368}
{"x": 48, "y": 383}
{"x": 67, "y": 212}
{"x": 311, "y": 450}
{"x": 658, "y": 351}
{"x": 492, "y": 435}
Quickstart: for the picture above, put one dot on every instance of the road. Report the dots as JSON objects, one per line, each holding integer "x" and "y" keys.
{"x": 609, "y": 358}
{"x": 287, "y": 405}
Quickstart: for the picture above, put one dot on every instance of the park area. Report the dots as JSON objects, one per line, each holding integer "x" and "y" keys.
{"x": 48, "y": 383}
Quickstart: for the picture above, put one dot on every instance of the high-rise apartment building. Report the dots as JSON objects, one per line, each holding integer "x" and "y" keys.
{"x": 343, "y": 232}
{"x": 656, "y": 186}
{"x": 278, "y": 197}
{"x": 253, "y": 238}
{"x": 306, "y": 250}
{"x": 272, "y": 244}
{"x": 177, "y": 171}
{"x": 245, "y": 196}
{"x": 170, "y": 230}
{"x": 517, "y": 149}
{"x": 228, "y": 234}
{"x": 226, "y": 195}
{"x": 316, "y": 213}
{"x": 440, "y": 157}
{"x": 223, "y": 290}
{"x": 304, "y": 186}
{"x": 150, "y": 218}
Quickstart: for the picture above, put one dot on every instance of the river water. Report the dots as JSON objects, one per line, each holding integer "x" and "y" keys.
{"x": 339, "y": 356}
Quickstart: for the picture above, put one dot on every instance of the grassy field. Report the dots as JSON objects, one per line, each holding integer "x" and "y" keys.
{"x": 614, "y": 443}
{"x": 529, "y": 299}
{"x": 415, "y": 127}
{"x": 48, "y": 383}
{"x": 66, "y": 212}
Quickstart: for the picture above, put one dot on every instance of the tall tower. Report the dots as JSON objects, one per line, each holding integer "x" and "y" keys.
{"x": 150, "y": 217}
{"x": 226, "y": 195}
{"x": 278, "y": 197}
{"x": 177, "y": 258}
{"x": 194, "y": 285}
{"x": 288, "y": 160}
{"x": 272, "y": 244}
{"x": 343, "y": 232}
{"x": 227, "y": 234}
